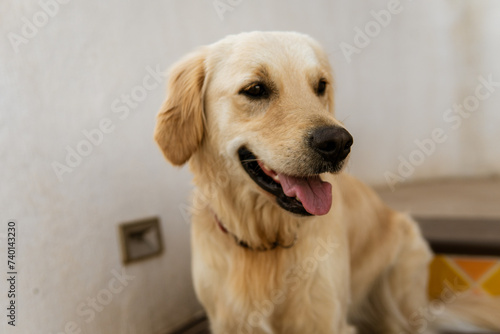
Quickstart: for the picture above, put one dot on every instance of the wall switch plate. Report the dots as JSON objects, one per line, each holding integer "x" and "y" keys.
{"x": 140, "y": 239}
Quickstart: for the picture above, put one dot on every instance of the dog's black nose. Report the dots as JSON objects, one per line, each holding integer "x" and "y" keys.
{"x": 333, "y": 143}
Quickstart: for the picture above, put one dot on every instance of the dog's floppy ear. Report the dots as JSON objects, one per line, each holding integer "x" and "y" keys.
{"x": 180, "y": 123}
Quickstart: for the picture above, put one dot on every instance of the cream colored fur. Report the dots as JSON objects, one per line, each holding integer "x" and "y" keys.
{"x": 360, "y": 268}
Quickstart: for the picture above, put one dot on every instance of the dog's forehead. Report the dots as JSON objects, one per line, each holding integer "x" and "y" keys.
{"x": 258, "y": 52}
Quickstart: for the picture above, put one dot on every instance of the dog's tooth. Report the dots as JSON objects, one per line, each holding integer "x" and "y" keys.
{"x": 276, "y": 178}
{"x": 298, "y": 199}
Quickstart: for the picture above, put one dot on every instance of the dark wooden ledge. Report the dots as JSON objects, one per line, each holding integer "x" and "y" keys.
{"x": 462, "y": 236}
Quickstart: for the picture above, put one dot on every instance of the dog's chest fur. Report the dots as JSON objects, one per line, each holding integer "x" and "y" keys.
{"x": 265, "y": 287}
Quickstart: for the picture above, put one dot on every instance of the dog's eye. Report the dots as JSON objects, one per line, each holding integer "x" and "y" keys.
{"x": 255, "y": 91}
{"x": 320, "y": 90}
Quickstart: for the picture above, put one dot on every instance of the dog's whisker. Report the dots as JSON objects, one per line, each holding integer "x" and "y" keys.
{"x": 250, "y": 160}
{"x": 345, "y": 118}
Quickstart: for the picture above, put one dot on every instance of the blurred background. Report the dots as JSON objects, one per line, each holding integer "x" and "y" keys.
{"x": 417, "y": 85}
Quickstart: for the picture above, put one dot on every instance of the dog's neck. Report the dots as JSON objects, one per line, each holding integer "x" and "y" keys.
{"x": 244, "y": 244}
{"x": 260, "y": 226}
{"x": 243, "y": 210}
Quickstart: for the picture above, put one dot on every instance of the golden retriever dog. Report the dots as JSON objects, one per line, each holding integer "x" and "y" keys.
{"x": 282, "y": 240}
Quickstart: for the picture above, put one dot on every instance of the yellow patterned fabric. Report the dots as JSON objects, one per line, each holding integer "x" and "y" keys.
{"x": 455, "y": 274}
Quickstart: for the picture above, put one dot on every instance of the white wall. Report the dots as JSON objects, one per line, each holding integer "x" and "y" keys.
{"x": 67, "y": 75}
{"x": 399, "y": 89}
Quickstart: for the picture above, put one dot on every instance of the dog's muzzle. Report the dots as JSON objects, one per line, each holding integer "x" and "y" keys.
{"x": 303, "y": 194}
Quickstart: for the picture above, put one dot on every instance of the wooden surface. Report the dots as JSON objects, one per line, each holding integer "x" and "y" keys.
{"x": 463, "y": 236}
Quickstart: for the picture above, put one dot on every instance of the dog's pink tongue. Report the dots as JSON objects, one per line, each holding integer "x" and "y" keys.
{"x": 315, "y": 194}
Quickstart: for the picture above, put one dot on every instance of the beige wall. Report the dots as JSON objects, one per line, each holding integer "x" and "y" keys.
{"x": 72, "y": 73}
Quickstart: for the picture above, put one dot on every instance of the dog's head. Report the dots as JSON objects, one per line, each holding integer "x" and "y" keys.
{"x": 264, "y": 103}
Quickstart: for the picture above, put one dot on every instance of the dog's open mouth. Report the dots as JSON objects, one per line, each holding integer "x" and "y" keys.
{"x": 301, "y": 195}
